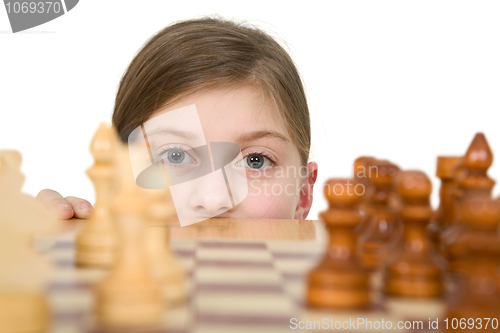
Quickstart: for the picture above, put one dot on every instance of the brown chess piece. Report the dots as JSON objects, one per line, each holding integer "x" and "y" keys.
{"x": 445, "y": 214}
{"x": 478, "y": 216}
{"x": 361, "y": 171}
{"x": 478, "y": 294}
{"x": 96, "y": 244}
{"x": 477, "y": 160}
{"x": 472, "y": 183}
{"x": 383, "y": 230}
{"x": 339, "y": 281}
{"x": 498, "y": 232}
{"x": 415, "y": 270}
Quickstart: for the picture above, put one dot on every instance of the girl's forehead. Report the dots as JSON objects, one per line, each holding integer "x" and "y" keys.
{"x": 225, "y": 113}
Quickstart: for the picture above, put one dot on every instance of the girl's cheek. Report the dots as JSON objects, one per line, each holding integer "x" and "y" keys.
{"x": 276, "y": 185}
{"x": 261, "y": 207}
{"x": 269, "y": 198}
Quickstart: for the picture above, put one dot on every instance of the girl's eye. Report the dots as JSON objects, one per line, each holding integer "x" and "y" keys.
{"x": 176, "y": 156}
{"x": 255, "y": 161}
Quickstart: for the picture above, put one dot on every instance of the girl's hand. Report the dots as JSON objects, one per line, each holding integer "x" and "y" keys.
{"x": 65, "y": 208}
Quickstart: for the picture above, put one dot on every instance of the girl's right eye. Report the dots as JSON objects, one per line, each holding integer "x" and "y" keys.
{"x": 176, "y": 155}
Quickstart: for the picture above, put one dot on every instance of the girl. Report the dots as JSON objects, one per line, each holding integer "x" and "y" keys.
{"x": 246, "y": 90}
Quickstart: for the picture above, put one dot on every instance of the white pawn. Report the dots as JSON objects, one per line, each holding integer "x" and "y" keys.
{"x": 96, "y": 245}
{"x": 129, "y": 296}
{"x": 163, "y": 264}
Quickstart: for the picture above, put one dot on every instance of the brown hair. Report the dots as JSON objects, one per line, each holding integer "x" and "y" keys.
{"x": 206, "y": 53}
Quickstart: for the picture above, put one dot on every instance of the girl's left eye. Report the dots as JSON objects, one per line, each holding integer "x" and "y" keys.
{"x": 255, "y": 161}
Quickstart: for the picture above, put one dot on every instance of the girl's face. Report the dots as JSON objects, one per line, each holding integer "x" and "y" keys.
{"x": 279, "y": 187}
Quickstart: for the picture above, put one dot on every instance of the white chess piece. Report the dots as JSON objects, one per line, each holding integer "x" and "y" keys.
{"x": 96, "y": 244}
{"x": 23, "y": 305}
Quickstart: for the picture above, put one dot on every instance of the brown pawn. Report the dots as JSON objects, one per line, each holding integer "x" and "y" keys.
{"x": 478, "y": 295}
{"x": 361, "y": 173}
{"x": 361, "y": 169}
{"x": 445, "y": 215}
{"x": 383, "y": 230}
{"x": 478, "y": 216}
{"x": 473, "y": 183}
{"x": 96, "y": 244}
{"x": 340, "y": 281}
{"x": 415, "y": 270}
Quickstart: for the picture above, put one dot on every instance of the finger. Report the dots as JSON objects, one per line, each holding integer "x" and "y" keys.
{"x": 82, "y": 208}
{"x": 54, "y": 201}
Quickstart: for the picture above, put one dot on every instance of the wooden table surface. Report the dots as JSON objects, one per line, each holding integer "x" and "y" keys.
{"x": 231, "y": 228}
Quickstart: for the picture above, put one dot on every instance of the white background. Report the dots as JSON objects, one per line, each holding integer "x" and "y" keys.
{"x": 403, "y": 80}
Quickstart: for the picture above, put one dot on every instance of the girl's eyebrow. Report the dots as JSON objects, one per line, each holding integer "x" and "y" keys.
{"x": 172, "y": 131}
{"x": 251, "y": 136}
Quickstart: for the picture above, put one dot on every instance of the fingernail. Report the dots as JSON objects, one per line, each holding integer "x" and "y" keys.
{"x": 85, "y": 206}
{"x": 62, "y": 206}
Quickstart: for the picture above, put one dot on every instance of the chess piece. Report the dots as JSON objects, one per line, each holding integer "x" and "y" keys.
{"x": 445, "y": 215}
{"x": 361, "y": 171}
{"x": 23, "y": 273}
{"x": 478, "y": 294}
{"x": 383, "y": 230}
{"x": 339, "y": 281}
{"x": 96, "y": 245}
{"x": 479, "y": 216}
{"x": 472, "y": 184}
{"x": 415, "y": 270}
{"x": 477, "y": 160}
{"x": 129, "y": 296}
{"x": 11, "y": 178}
{"x": 164, "y": 266}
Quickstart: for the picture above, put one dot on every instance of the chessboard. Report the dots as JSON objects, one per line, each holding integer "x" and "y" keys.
{"x": 241, "y": 277}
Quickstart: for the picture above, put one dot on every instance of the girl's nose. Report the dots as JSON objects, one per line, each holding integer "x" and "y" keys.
{"x": 211, "y": 197}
